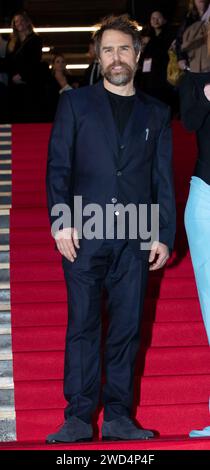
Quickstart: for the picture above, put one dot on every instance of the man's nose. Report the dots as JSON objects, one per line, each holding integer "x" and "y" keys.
{"x": 116, "y": 55}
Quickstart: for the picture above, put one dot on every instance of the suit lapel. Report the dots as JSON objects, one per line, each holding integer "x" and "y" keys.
{"x": 137, "y": 123}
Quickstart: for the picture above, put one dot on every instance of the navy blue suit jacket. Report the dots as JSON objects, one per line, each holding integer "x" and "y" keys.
{"x": 88, "y": 157}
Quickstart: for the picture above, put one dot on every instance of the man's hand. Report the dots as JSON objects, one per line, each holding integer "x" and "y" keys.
{"x": 67, "y": 240}
{"x": 158, "y": 256}
{"x": 207, "y": 91}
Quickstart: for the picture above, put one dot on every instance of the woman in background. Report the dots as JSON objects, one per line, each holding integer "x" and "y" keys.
{"x": 58, "y": 82}
{"x": 196, "y": 11}
{"x": 22, "y": 63}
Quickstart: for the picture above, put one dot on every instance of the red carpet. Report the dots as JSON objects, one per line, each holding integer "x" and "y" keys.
{"x": 172, "y": 397}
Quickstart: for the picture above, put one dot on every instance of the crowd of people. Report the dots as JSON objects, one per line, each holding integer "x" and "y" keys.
{"x": 30, "y": 88}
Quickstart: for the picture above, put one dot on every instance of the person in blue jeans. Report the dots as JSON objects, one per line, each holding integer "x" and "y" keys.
{"x": 195, "y": 115}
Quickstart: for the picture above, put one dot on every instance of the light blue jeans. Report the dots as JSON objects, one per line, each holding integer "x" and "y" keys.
{"x": 197, "y": 224}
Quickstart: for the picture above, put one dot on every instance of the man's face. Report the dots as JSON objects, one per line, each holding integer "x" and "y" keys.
{"x": 117, "y": 57}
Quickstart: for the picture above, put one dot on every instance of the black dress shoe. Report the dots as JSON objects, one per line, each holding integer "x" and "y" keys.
{"x": 123, "y": 428}
{"x": 73, "y": 430}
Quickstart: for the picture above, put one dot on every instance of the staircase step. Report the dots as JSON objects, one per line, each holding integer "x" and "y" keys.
{"x": 51, "y": 338}
{"x": 6, "y": 369}
{"x": 156, "y": 391}
{"x": 7, "y": 430}
{"x": 55, "y": 291}
{"x": 51, "y": 271}
{"x": 5, "y": 329}
{"x": 7, "y": 412}
{"x": 41, "y": 365}
{"x": 5, "y": 318}
{"x": 4, "y": 295}
{"x": 55, "y": 313}
{"x": 6, "y": 383}
{"x": 4, "y": 239}
{"x": 167, "y": 420}
{"x": 5, "y": 355}
{"x": 6, "y": 397}
{"x": 5, "y": 341}
{"x": 5, "y": 276}
{"x": 5, "y": 307}
{"x": 4, "y": 257}
{"x": 4, "y": 248}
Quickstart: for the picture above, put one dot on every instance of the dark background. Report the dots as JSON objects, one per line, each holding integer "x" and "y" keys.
{"x": 84, "y": 13}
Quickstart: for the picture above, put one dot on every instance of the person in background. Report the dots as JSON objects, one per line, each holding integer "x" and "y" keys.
{"x": 3, "y": 84}
{"x": 195, "y": 114}
{"x": 93, "y": 73}
{"x": 195, "y": 44}
{"x": 22, "y": 63}
{"x": 62, "y": 78}
{"x": 59, "y": 80}
{"x": 152, "y": 74}
{"x": 196, "y": 10}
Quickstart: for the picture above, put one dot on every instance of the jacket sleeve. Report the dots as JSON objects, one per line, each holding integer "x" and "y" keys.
{"x": 60, "y": 155}
{"x": 194, "y": 105}
{"x": 162, "y": 182}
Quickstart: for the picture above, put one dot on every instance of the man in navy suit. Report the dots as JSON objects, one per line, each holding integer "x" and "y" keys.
{"x": 111, "y": 145}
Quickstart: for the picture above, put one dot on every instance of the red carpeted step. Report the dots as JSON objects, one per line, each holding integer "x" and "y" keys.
{"x": 175, "y": 442}
{"x": 52, "y": 270}
{"x": 27, "y": 254}
{"x": 29, "y": 186}
{"x": 48, "y": 364}
{"x": 55, "y": 291}
{"x": 34, "y": 199}
{"x": 27, "y": 218}
{"x": 44, "y": 338}
{"x": 163, "y": 390}
{"x": 36, "y": 424}
{"x": 31, "y": 237}
{"x": 50, "y": 313}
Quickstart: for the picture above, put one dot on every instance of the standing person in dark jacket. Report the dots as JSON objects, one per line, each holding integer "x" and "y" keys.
{"x": 195, "y": 114}
{"x": 22, "y": 63}
{"x": 110, "y": 145}
{"x": 152, "y": 74}
{"x": 93, "y": 73}
{"x": 196, "y": 10}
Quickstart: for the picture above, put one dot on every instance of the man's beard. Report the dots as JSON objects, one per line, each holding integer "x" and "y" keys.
{"x": 119, "y": 78}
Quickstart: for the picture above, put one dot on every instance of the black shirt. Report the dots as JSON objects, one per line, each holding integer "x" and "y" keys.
{"x": 195, "y": 114}
{"x": 121, "y": 108}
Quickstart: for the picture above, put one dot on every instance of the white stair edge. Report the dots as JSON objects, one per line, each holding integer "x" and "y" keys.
{"x": 5, "y": 307}
{"x": 6, "y": 383}
{"x": 5, "y": 355}
{"x": 5, "y": 329}
{"x": 4, "y": 285}
{"x": 7, "y": 412}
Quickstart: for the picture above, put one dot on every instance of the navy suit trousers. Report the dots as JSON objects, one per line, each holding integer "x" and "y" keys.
{"x": 115, "y": 266}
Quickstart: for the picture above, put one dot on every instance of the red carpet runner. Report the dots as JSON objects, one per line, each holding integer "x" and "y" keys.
{"x": 172, "y": 397}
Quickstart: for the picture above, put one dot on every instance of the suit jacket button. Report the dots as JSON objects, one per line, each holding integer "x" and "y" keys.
{"x": 119, "y": 173}
{"x": 122, "y": 147}
{"x": 114, "y": 200}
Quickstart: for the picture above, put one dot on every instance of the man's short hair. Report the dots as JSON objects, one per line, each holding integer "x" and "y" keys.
{"x": 121, "y": 23}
